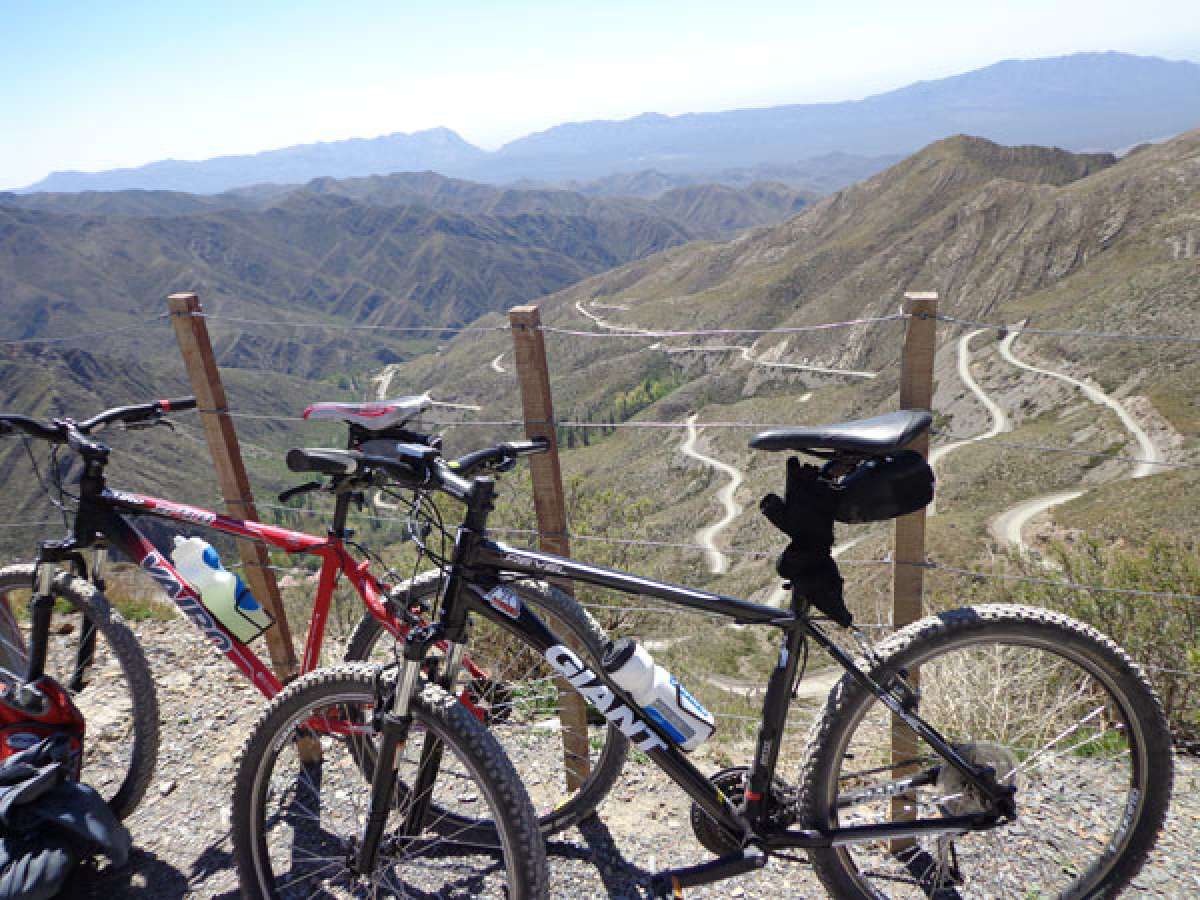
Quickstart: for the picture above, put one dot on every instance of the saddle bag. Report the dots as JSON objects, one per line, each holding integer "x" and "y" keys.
{"x": 884, "y": 488}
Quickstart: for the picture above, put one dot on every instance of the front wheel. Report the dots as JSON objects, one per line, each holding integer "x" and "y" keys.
{"x": 106, "y": 676}
{"x": 515, "y": 691}
{"x": 300, "y": 801}
{"x": 1051, "y": 705}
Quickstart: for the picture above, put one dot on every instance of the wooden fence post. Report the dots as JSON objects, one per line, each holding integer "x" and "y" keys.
{"x": 191, "y": 330}
{"x": 537, "y": 403}
{"x": 908, "y": 574}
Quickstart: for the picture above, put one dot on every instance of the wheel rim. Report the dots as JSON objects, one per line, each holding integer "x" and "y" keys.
{"x": 105, "y": 698}
{"x": 1061, "y": 726}
{"x": 310, "y": 816}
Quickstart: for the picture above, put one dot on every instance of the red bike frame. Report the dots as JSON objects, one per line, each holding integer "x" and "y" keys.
{"x": 335, "y": 562}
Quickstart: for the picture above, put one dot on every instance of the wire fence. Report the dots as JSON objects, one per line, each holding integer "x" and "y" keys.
{"x": 628, "y": 333}
{"x": 615, "y": 332}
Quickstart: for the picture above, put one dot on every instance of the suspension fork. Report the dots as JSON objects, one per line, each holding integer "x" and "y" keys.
{"x": 453, "y": 627}
{"x": 395, "y": 724}
{"x": 41, "y": 607}
{"x": 430, "y": 764}
{"x": 85, "y": 654}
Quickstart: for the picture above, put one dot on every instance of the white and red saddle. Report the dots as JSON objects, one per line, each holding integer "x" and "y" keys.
{"x": 374, "y": 415}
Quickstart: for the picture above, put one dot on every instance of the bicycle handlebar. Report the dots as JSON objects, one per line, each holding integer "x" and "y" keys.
{"x": 502, "y": 455}
{"x": 64, "y": 431}
{"x": 413, "y": 465}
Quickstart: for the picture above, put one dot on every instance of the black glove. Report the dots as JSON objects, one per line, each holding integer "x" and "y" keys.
{"x": 806, "y": 516}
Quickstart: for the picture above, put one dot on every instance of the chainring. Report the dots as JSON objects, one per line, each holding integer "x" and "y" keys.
{"x": 732, "y": 783}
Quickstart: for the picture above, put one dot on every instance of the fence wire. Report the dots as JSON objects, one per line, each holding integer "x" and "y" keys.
{"x": 1058, "y": 332}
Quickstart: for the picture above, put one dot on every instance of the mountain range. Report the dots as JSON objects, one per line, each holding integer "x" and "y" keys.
{"x": 1085, "y": 101}
{"x": 1071, "y": 241}
{"x": 390, "y": 251}
{"x": 1004, "y": 234}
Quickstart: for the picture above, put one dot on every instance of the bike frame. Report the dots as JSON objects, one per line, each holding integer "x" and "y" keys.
{"x": 476, "y": 583}
{"x": 104, "y": 513}
{"x": 492, "y": 563}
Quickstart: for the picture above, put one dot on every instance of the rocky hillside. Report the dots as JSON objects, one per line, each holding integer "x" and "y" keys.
{"x": 1004, "y": 234}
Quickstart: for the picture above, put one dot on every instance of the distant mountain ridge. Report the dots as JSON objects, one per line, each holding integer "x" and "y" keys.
{"x": 401, "y": 250}
{"x": 1085, "y": 101}
{"x": 435, "y": 148}
{"x": 699, "y": 210}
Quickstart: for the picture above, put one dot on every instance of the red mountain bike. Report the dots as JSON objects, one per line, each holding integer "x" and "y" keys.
{"x": 50, "y": 657}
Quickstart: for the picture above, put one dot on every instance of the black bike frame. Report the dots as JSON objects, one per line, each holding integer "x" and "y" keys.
{"x": 482, "y": 568}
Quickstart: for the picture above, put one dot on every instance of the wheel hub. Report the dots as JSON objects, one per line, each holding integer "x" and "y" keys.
{"x": 961, "y": 798}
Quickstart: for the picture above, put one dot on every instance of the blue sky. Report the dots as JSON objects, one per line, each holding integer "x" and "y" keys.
{"x": 98, "y": 85}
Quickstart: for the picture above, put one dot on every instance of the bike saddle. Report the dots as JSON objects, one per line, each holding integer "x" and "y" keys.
{"x": 375, "y": 415}
{"x": 870, "y": 437}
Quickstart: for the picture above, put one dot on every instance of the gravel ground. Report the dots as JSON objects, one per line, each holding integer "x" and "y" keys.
{"x": 181, "y": 829}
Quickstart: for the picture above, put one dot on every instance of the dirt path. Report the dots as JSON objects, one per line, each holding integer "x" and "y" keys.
{"x": 384, "y": 379}
{"x": 603, "y": 323}
{"x": 1008, "y": 527}
{"x": 812, "y": 686}
{"x": 718, "y": 562}
{"x": 1000, "y": 421}
{"x": 747, "y": 354}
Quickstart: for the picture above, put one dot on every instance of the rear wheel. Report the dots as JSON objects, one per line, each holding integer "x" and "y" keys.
{"x": 298, "y": 815}
{"x": 518, "y": 698}
{"x": 1052, "y": 706}
{"x": 114, "y": 692}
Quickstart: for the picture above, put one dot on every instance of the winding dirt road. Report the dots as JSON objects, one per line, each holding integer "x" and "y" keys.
{"x": 748, "y": 355}
{"x": 1008, "y": 527}
{"x": 718, "y": 562}
{"x": 1000, "y": 421}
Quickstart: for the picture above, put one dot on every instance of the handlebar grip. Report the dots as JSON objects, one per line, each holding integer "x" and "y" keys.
{"x": 527, "y": 448}
{"x": 180, "y": 404}
{"x": 32, "y": 427}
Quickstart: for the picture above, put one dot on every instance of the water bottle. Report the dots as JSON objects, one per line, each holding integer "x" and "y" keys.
{"x": 659, "y": 693}
{"x": 223, "y": 593}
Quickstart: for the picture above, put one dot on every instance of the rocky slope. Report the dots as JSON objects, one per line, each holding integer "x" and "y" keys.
{"x": 1002, "y": 233}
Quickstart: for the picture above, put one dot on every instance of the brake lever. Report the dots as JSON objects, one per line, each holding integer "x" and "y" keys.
{"x": 149, "y": 423}
{"x": 300, "y": 489}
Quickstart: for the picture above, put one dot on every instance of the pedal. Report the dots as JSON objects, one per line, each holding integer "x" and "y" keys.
{"x": 672, "y": 882}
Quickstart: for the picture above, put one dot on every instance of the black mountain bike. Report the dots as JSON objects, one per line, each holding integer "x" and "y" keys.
{"x": 998, "y": 750}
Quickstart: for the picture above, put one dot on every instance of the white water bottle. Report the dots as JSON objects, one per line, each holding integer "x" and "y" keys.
{"x": 659, "y": 693}
{"x": 223, "y": 593}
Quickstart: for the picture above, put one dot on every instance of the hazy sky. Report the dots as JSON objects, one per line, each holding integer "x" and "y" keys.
{"x": 97, "y": 85}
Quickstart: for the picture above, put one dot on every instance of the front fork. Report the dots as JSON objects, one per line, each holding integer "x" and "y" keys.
{"x": 393, "y": 730}
{"x": 41, "y": 611}
{"x": 41, "y": 608}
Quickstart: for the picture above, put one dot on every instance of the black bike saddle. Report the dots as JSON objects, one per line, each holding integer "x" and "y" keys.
{"x": 871, "y": 437}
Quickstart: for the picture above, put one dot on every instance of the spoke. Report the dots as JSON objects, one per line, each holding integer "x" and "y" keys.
{"x": 303, "y": 878}
{"x": 1061, "y": 737}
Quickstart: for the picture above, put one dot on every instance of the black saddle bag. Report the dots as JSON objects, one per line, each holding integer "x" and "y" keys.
{"x": 884, "y": 488}
{"x": 875, "y": 490}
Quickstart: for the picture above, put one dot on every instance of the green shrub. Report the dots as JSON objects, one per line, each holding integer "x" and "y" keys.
{"x": 1161, "y": 633}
